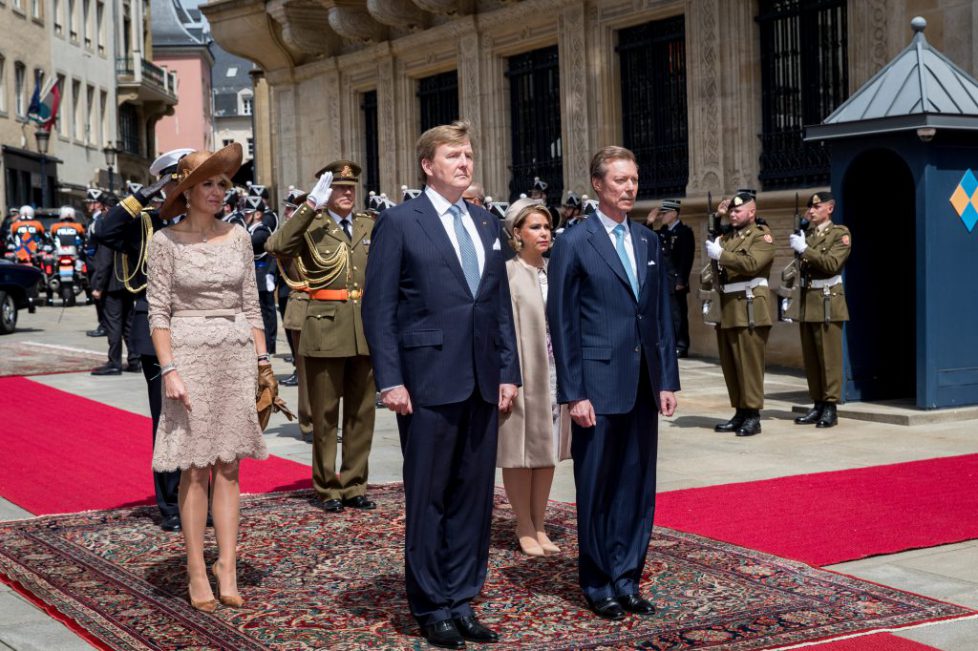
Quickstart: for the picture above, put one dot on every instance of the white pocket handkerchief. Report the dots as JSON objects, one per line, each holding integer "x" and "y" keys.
{"x": 651, "y": 262}
{"x": 495, "y": 245}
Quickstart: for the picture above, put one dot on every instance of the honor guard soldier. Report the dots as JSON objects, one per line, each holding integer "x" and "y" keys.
{"x": 295, "y": 313}
{"x": 329, "y": 243}
{"x": 571, "y": 212}
{"x": 126, "y": 229}
{"x": 744, "y": 256}
{"x": 822, "y": 251}
{"x": 265, "y": 272}
{"x": 679, "y": 247}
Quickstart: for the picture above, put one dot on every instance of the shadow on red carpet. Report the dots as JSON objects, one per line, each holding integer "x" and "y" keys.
{"x": 61, "y": 453}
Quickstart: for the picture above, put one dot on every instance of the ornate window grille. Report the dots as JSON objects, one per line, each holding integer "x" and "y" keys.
{"x": 371, "y": 147}
{"x": 534, "y": 100}
{"x": 438, "y": 99}
{"x": 653, "y": 101}
{"x": 805, "y": 76}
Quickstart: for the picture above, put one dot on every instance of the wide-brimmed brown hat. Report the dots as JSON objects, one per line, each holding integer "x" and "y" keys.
{"x": 196, "y": 167}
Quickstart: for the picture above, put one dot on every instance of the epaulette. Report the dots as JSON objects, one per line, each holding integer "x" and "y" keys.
{"x": 131, "y": 205}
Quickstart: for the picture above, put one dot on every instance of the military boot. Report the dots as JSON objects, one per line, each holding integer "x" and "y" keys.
{"x": 732, "y": 424}
{"x": 812, "y": 416}
{"x": 829, "y": 417}
{"x": 751, "y": 424}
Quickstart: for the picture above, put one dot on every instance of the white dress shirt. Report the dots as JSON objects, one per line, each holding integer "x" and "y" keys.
{"x": 609, "y": 226}
{"x": 442, "y": 205}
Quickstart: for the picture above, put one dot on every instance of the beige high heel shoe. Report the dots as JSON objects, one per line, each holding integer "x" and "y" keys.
{"x": 227, "y": 600}
{"x": 207, "y": 606}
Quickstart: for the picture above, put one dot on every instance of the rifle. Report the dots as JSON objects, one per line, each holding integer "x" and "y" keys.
{"x": 789, "y": 307}
{"x": 710, "y": 275}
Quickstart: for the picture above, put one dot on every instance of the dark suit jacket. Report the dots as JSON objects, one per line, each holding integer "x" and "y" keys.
{"x": 598, "y": 328}
{"x": 423, "y": 327}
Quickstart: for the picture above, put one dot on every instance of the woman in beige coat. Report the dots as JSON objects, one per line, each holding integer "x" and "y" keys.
{"x": 535, "y": 435}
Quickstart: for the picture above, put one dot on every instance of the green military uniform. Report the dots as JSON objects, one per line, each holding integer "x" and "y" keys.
{"x": 745, "y": 265}
{"x": 823, "y": 309}
{"x": 332, "y": 343}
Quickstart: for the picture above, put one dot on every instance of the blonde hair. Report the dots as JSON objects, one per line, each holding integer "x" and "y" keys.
{"x": 521, "y": 217}
{"x": 455, "y": 133}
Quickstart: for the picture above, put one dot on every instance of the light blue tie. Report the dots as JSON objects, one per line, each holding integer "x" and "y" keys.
{"x": 619, "y": 232}
{"x": 470, "y": 263}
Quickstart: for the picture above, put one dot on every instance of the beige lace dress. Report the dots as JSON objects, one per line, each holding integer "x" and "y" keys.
{"x": 205, "y": 294}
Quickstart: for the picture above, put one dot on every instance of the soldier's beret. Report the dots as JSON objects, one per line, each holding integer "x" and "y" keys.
{"x": 751, "y": 191}
{"x": 539, "y": 184}
{"x": 133, "y": 188}
{"x": 590, "y": 205}
{"x": 820, "y": 197}
{"x": 670, "y": 204}
{"x": 295, "y": 196}
{"x": 252, "y": 204}
{"x": 409, "y": 193}
{"x": 498, "y": 208}
{"x": 260, "y": 191}
{"x": 740, "y": 199}
{"x": 345, "y": 172}
{"x": 572, "y": 201}
{"x": 93, "y": 194}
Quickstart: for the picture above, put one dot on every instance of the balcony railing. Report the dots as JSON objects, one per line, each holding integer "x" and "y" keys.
{"x": 143, "y": 71}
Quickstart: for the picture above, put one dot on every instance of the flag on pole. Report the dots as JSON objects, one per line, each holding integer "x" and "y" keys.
{"x": 43, "y": 109}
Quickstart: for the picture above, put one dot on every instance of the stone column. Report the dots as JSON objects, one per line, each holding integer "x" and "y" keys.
{"x": 283, "y": 127}
{"x": 740, "y": 95}
{"x": 703, "y": 81}
{"x": 868, "y": 37}
{"x": 575, "y": 126}
{"x": 387, "y": 119}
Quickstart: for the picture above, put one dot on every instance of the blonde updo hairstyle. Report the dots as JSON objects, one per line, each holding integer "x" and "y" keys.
{"x": 517, "y": 213}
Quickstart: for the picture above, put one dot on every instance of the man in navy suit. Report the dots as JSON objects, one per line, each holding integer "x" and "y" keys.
{"x": 611, "y": 326}
{"x": 438, "y": 321}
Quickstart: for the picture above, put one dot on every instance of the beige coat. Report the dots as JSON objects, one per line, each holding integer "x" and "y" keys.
{"x": 526, "y": 435}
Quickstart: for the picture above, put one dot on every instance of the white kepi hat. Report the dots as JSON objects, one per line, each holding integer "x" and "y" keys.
{"x": 169, "y": 159}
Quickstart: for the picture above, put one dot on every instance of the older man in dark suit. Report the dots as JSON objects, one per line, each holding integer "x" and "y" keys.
{"x": 438, "y": 320}
{"x": 611, "y": 327}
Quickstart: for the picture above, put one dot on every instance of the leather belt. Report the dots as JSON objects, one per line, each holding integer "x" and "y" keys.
{"x": 730, "y": 288}
{"x": 825, "y": 282}
{"x": 334, "y": 294}
{"x": 220, "y": 312}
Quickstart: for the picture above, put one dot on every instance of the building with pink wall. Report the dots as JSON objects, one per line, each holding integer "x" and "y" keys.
{"x": 181, "y": 45}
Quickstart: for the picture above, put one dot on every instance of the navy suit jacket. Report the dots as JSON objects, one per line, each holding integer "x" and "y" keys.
{"x": 424, "y": 328}
{"x": 598, "y": 328}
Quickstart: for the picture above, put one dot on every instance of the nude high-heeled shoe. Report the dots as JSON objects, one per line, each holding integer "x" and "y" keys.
{"x": 208, "y": 606}
{"x": 227, "y": 600}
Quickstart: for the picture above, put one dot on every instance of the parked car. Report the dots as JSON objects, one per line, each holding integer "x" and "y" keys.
{"x": 18, "y": 289}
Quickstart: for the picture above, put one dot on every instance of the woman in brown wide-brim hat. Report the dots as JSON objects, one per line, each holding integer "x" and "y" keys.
{"x": 207, "y": 329}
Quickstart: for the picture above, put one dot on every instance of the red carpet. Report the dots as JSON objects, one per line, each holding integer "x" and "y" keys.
{"x": 60, "y": 453}
{"x": 874, "y": 642}
{"x": 832, "y": 517}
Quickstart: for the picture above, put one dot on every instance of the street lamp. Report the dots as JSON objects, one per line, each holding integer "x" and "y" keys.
{"x": 110, "y": 153}
{"x": 43, "y": 136}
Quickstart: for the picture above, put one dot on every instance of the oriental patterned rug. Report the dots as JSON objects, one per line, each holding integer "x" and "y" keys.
{"x": 32, "y": 358}
{"x": 334, "y": 581}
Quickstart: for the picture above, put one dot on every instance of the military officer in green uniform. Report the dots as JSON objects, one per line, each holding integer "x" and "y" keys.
{"x": 744, "y": 255}
{"x": 329, "y": 243}
{"x": 822, "y": 252}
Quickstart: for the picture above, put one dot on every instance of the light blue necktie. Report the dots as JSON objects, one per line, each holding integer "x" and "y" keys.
{"x": 466, "y": 249}
{"x": 619, "y": 232}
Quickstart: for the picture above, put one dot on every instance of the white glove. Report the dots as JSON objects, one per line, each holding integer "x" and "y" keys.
{"x": 797, "y": 242}
{"x": 319, "y": 195}
{"x": 713, "y": 249}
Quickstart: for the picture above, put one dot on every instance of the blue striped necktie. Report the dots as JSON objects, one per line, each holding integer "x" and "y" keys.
{"x": 466, "y": 249}
{"x": 619, "y": 232}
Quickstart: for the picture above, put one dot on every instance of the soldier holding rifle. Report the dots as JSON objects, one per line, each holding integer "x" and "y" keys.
{"x": 741, "y": 261}
{"x": 821, "y": 249}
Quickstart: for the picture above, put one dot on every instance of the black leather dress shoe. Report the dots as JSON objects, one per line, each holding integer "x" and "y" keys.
{"x": 829, "y": 417}
{"x": 107, "y": 369}
{"x": 733, "y": 424}
{"x": 444, "y": 634}
{"x": 608, "y": 608}
{"x": 751, "y": 424}
{"x": 360, "y": 502}
{"x": 812, "y": 416}
{"x": 291, "y": 381}
{"x": 634, "y": 603}
{"x": 134, "y": 367}
{"x": 97, "y": 332}
{"x": 170, "y": 523}
{"x": 470, "y": 628}
{"x": 333, "y": 506}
